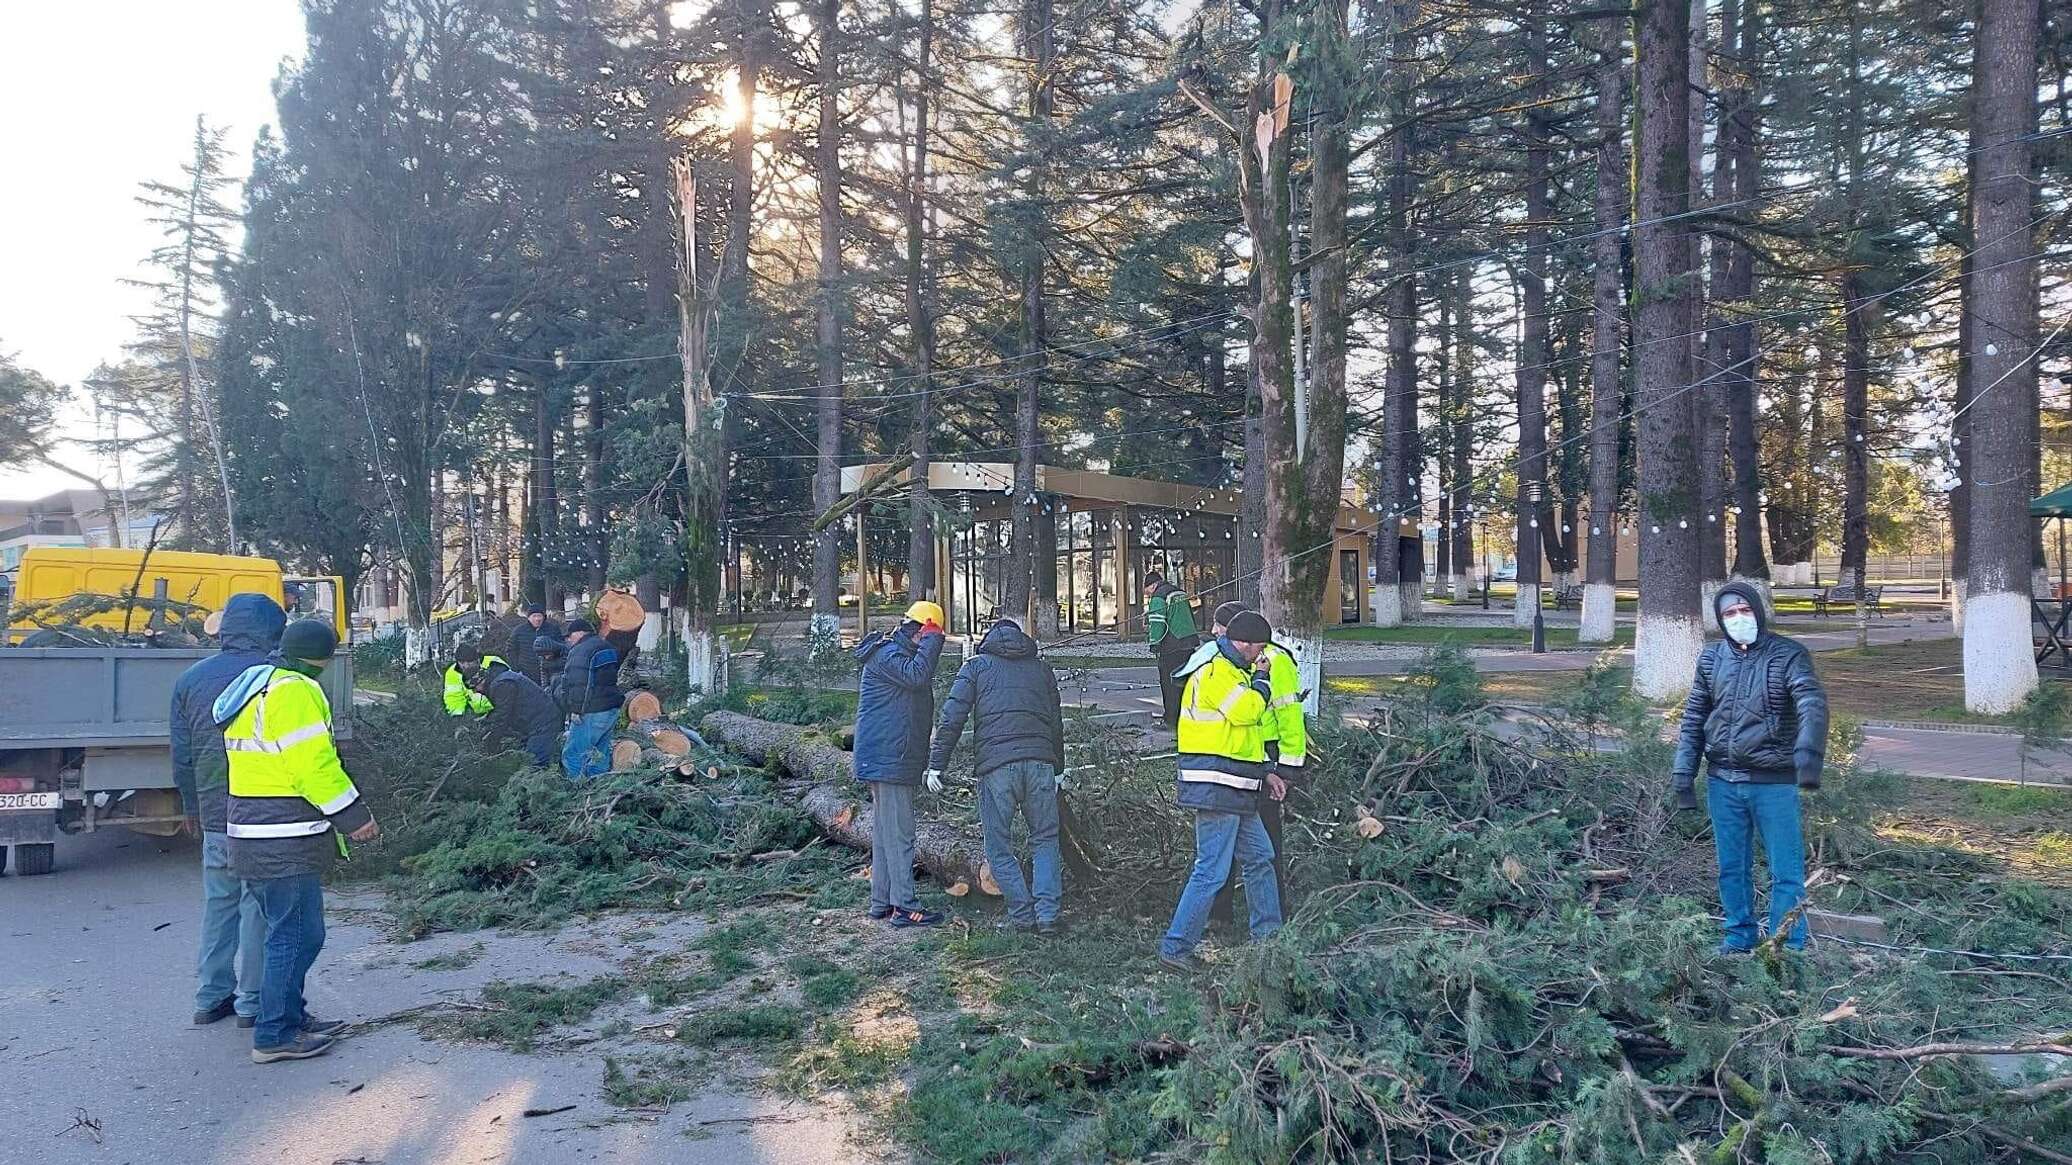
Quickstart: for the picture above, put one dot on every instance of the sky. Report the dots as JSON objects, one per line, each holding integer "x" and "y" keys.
{"x": 95, "y": 107}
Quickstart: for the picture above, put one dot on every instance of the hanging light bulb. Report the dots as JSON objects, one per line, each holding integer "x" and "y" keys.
{"x": 1682, "y": 524}
{"x": 1654, "y": 529}
{"x": 1712, "y": 517}
{"x": 1595, "y": 531}
{"x": 1992, "y": 349}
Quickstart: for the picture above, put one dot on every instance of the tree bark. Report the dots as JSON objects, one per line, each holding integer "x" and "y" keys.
{"x": 822, "y": 779}
{"x": 1670, "y": 631}
{"x": 1999, "y": 665}
{"x": 1531, "y": 274}
{"x": 1039, "y": 40}
{"x": 827, "y": 466}
{"x": 1394, "y": 601}
{"x": 1742, "y": 50}
{"x": 1608, "y": 314}
{"x": 1465, "y": 568}
{"x": 920, "y": 324}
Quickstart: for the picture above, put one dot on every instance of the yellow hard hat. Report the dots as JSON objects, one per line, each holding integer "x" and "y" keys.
{"x": 925, "y": 612}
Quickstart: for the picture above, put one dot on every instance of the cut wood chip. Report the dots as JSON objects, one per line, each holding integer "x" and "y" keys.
{"x": 1514, "y": 870}
{"x": 986, "y": 884}
{"x": 1847, "y": 1010}
{"x": 958, "y": 890}
{"x": 1369, "y": 828}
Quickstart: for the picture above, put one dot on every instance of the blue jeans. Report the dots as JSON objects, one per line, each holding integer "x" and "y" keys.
{"x": 233, "y": 933}
{"x": 1216, "y": 835}
{"x": 294, "y": 934}
{"x": 1031, "y": 787}
{"x": 588, "y": 751}
{"x": 1740, "y": 809}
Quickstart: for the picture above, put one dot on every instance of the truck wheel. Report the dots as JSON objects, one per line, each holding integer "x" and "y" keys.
{"x": 31, "y": 860}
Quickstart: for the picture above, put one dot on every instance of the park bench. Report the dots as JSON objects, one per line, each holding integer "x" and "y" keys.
{"x": 1846, "y": 597}
{"x": 1568, "y": 598}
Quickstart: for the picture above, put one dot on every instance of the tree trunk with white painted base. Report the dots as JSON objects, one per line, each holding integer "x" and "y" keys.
{"x": 1463, "y": 584}
{"x": 1600, "y": 613}
{"x": 1999, "y": 664}
{"x": 1670, "y": 631}
{"x": 1528, "y": 602}
{"x": 1601, "y": 549}
{"x": 1388, "y": 605}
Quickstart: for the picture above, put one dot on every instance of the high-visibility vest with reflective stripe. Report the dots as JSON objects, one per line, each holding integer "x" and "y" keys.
{"x": 460, "y": 698}
{"x": 1284, "y": 724}
{"x": 1220, "y": 740}
{"x": 285, "y": 777}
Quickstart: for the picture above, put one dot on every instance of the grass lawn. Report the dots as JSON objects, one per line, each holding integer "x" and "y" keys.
{"x": 1922, "y": 680}
{"x": 374, "y": 682}
{"x": 2027, "y": 827}
{"x": 1098, "y": 661}
{"x": 1465, "y": 636}
{"x": 1518, "y": 687}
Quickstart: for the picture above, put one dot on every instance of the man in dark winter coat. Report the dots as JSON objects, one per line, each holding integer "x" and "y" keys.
{"x": 895, "y": 704}
{"x": 1011, "y": 696}
{"x": 233, "y": 927}
{"x": 589, "y": 691}
{"x": 1757, "y": 717}
{"x": 523, "y": 653}
{"x": 520, "y": 711}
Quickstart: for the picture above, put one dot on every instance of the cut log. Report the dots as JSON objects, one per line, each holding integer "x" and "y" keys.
{"x": 643, "y": 705}
{"x": 663, "y": 734}
{"x": 822, "y": 779}
{"x": 626, "y": 754}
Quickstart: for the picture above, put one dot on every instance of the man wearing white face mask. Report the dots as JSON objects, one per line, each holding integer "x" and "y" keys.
{"x": 1757, "y": 717}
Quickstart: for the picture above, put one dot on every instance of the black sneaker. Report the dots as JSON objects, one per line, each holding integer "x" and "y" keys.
{"x": 916, "y": 917}
{"x": 879, "y": 912}
{"x": 1184, "y": 964}
{"x": 302, "y": 1047}
{"x": 1051, "y": 929}
{"x": 223, "y": 1010}
{"x": 312, "y": 1026}
{"x": 248, "y": 1021}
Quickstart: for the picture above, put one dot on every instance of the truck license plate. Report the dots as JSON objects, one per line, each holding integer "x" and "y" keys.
{"x": 28, "y": 801}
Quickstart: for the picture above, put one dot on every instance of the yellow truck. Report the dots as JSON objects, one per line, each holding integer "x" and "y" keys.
{"x": 135, "y": 587}
{"x": 95, "y": 641}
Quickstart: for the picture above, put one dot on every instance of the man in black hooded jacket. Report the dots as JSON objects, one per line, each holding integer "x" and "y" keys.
{"x": 1757, "y": 717}
{"x": 1011, "y": 695}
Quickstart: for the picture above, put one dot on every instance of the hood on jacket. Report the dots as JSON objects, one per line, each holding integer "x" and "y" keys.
{"x": 876, "y": 639}
{"x": 1747, "y": 594}
{"x": 248, "y": 684}
{"x": 1008, "y": 642}
{"x": 1202, "y": 655}
{"x": 251, "y": 622}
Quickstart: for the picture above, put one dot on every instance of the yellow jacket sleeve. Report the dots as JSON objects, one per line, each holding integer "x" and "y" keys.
{"x": 1291, "y": 730}
{"x": 301, "y": 717}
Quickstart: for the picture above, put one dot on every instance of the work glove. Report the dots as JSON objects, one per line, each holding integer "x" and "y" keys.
{"x": 1064, "y": 782}
{"x": 1687, "y": 798}
{"x": 934, "y": 779}
{"x": 1808, "y": 764}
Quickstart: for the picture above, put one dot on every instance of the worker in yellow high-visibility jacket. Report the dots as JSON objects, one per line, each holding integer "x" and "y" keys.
{"x": 460, "y": 696}
{"x": 1222, "y": 760}
{"x": 1286, "y": 737}
{"x": 290, "y": 802}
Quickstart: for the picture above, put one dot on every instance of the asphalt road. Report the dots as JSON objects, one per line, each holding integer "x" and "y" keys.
{"x": 100, "y": 1063}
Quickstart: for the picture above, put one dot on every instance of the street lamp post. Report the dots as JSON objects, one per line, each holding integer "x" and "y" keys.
{"x": 1485, "y": 564}
{"x": 1535, "y": 493}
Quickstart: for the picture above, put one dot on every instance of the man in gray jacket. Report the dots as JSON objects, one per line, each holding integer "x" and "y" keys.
{"x": 1757, "y": 717}
{"x": 1012, "y": 696}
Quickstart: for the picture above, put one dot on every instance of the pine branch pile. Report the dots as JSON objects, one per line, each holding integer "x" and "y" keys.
{"x": 1506, "y": 954}
{"x": 477, "y": 839}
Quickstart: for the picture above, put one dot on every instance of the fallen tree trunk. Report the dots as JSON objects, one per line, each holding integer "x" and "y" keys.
{"x": 822, "y": 779}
